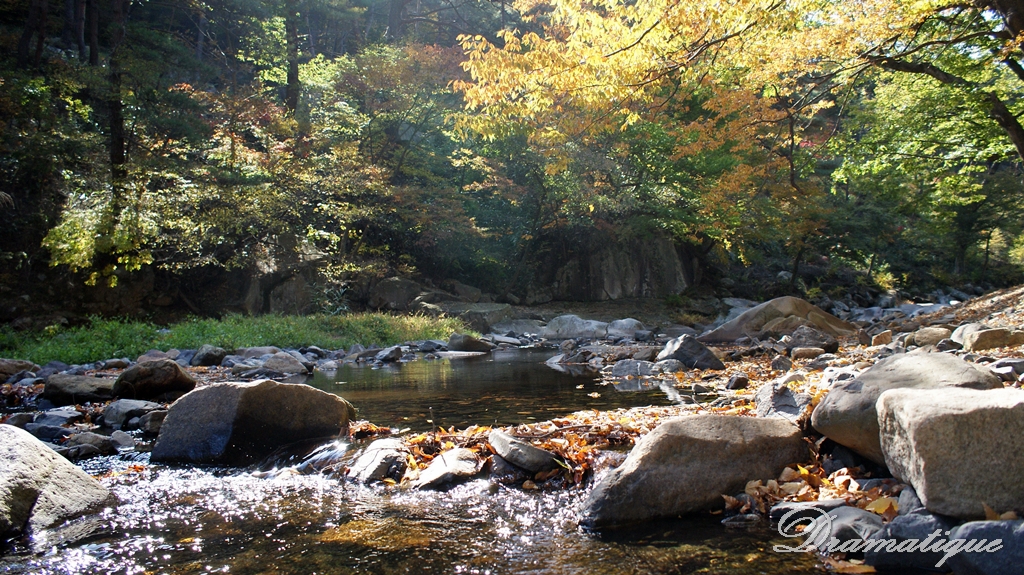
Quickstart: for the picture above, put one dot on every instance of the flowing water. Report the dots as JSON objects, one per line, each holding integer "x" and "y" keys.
{"x": 205, "y": 520}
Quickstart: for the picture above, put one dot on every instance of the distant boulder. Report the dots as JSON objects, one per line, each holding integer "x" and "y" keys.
{"x": 394, "y": 294}
{"x": 755, "y": 319}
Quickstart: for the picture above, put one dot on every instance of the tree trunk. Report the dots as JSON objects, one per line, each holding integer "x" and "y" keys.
{"x": 118, "y": 153}
{"x": 200, "y": 43}
{"x": 291, "y": 25}
{"x": 40, "y": 32}
{"x": 93, "y": 13}
{"x": 67, "y": 33}
{"x": 31, "y": 26}
{"x": 396, "y": 25}
{"x": 80, "y": 28}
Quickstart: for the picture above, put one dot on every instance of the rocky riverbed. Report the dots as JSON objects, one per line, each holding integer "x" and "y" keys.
{"x": 895, "y": 422}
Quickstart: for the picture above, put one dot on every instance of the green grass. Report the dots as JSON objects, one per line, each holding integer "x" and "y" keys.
{"x": 108, "y": 338}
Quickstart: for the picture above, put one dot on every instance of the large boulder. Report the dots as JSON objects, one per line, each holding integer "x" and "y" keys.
{"x": 806, "y": 336}
{"x": 9, "y": 367}
{"x": 161, "y": 378}
{"x": 625, "y": 328}
{"x": 38, "y": 487}
{"x": 691, "y": 352}
{"x": 752, "y": 321}
{"x": 571, "y": 326}
{"x": 284, "y": 362}
{"x": 239, "y": 422}
{"x": 478, "y": 316}
{"x": 847, "y": 414}
{"x": 959, "y": 448}
{"x": 393, "y": 294}
{"x": 65, "y": 389}
{"x": 989, "y": 338}
{"x": 687, "y": 463}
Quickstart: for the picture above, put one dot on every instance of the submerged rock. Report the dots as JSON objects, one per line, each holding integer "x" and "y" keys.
{"x": 153, "y": 379}
{"x": 240, "y": 422}
{"x": 959, "y": 448}
{"x": 687, "y": 463}
{"x": 847, "y": 414}
{"x": 38, "y": 487}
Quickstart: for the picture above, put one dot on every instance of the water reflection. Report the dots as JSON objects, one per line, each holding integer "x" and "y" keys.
{"x": 502, "y": 388}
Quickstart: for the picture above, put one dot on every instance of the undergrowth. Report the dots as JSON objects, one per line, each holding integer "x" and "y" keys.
{"x": 109, "y": 338}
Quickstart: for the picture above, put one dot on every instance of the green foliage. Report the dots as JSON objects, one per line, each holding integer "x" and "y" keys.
{"x": 108, "y": 338}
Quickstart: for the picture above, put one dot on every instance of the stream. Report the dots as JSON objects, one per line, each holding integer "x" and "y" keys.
{"x": 176, "y": 519}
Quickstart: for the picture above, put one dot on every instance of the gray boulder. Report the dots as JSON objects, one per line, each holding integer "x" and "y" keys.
{"x": 806, "y": 336}
{"x": 959, "y": 448}
{"x": 905, "y": 527}
{"x": 571, "y": 326}
{"x": 383, "y": 459}
{"x": 691, "y": 352}
{"x": 393, "y": 294}
{"x": 64, "y": 389}
{"x": 624, "y": 328}
{"x": 39, "y": 488}
{"x": 520, "y": 453}
{"x": 117, "y": 413}
{"x": 152, "y": 421}
{"x": 255, "y": 352}
{"x": 463, "y": 342}
{"x": 631, "y": 367}
{"x": 284, "y": 362}
{"x": 390, "y": 354}
{"x": 102, "y": 443}
{"x": 776, "y": 399}
{"x": 687, "y": 463}
{"x": 754, "y": 320}
{"x": 1001, "y": 558}
{"x": 847, "y": 414}
{"x": 239, "y": 422}
{"x": 161, "y": 378}
{"x": 208, "y": 355}
{"x": 448, "y": 467}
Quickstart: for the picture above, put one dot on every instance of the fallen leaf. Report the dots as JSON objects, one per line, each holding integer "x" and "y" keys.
{"x": 881, "y": 505}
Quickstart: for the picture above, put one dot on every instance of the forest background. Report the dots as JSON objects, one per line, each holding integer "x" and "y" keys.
{"x": 195, "y": 156}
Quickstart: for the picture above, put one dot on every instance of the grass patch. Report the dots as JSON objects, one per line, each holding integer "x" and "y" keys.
{"x": 108, "y": 338}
